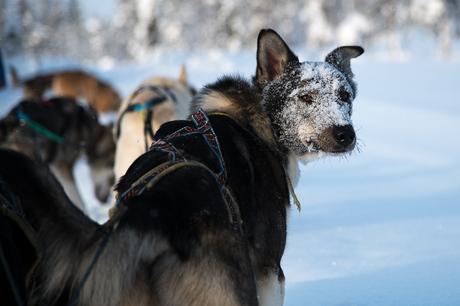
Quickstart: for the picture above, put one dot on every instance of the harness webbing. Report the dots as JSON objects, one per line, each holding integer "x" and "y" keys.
{"x": 204, "y": 128}
{"x": 24, "y": 119}
{"x": 146, "y": 109}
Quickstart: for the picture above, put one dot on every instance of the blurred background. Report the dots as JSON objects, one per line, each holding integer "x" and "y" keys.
{"x": 131, "y": 30}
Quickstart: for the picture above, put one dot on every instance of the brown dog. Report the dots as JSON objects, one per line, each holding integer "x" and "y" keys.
{"x": 74, "y": 84}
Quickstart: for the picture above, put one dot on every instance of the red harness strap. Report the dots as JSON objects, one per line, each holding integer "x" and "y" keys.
{"x": 203, "y": 127}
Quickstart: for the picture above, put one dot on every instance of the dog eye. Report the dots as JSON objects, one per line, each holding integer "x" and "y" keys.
{"x": 344, "y": 96}
{"x": 306, "y": 98}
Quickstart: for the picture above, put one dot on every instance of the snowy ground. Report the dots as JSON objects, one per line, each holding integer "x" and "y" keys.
{"x": 381, "y": 227}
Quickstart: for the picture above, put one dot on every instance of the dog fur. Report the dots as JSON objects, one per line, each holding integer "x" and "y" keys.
{"x": 75, "y": 85}
{"x": 36, "y": 87}
{"x": 82, "y": 133}
{"x": 175, "y": 244}
{"x": 129, "y": 133}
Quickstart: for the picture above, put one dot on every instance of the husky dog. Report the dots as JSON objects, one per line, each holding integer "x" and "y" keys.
{"x": 201, "y": 217}
{"x": 36, "y": 87}
{"x": 156, "y": 101}
{"x": 58, "y": 132}
{"x": 75, "y": 85}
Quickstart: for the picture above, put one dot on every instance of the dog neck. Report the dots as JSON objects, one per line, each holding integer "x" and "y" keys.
{"x": 242, "y": 105}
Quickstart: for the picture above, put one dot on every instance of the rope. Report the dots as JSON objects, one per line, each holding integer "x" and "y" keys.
{"x": 291, "y": 188}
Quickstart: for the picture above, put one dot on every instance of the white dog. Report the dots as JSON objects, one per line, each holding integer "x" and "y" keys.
{"x": 154, "y": 102}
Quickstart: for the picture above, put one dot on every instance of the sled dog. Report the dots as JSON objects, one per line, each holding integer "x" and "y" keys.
{"x": 57, "y": 132}
{"x": 75, "y": 85}
{"x": 156, "y": 101}
{"x": 36, "y": 87}
{"x": 201, "y": 217}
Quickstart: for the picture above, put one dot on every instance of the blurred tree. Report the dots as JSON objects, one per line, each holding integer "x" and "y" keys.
{"x": 3, "y": 14}
{"x": 75, "y": 37}
{"x": 124, "y": 28}
{"x": 141, "y": 26}
{"x": 27, "y": 18}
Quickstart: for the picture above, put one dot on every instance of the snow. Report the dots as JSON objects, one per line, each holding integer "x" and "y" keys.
{"x": 355, "y": 26}
{"x": 383, "y": 226}
{"x": 92, "y": 9}
{"x": 325, "y": 80}
{"x": 302, "y": 124}
{"x": 379, "y": 227}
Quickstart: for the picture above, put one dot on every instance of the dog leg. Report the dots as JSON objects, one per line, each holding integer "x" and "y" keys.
{"x": 130, "y": 143}
{"x": 64, "y": 174}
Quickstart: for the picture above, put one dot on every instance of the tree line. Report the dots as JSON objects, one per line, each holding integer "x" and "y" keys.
{"x": 58, "y": 28}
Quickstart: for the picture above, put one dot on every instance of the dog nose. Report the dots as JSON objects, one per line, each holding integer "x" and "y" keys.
{"x": 344, "y": 135}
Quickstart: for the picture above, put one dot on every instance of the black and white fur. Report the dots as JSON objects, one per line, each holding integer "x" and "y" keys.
{"x": 301, "y": 110}
{"x": 175, "y": 245}
{"x": 82, "y": 135}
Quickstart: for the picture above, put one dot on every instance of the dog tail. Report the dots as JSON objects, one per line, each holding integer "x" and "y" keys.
{"x": 63, "y": 231}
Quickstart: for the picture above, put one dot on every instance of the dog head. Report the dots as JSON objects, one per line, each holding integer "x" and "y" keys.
{"x": 309, "y": 103}
{"x": 101, "y": 157}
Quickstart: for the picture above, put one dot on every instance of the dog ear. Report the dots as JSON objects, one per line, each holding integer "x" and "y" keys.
{"x": 183, "y": 75}
{"x": 273, "y": 55}
{"x": 340, "y": 59}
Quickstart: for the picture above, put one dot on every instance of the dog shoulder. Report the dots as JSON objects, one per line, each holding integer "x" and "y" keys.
{"x": 236, "y": 97}
{"x": 220, "y": 96}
